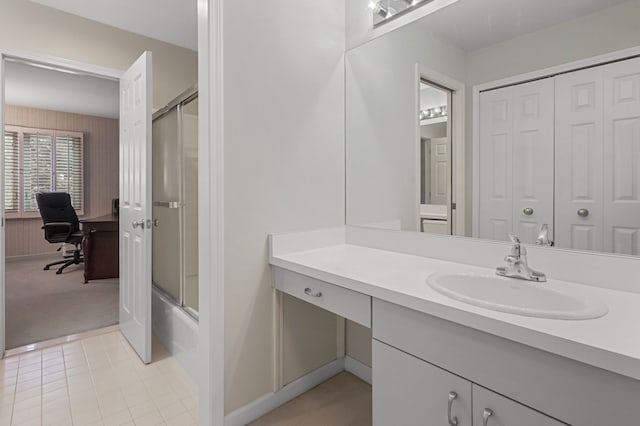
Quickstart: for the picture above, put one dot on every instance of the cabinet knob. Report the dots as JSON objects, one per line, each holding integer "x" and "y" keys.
{"x": 583, "y": 212}
{"x": 453, "y": 421}
{"x": 485, "y": 416}
{"x": 527, "y": 211}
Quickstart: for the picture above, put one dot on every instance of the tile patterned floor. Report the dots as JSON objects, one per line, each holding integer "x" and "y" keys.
{"x": 95, "y": 381}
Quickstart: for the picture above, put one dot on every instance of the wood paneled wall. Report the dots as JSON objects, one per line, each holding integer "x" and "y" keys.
{"x": 25, "y": 236}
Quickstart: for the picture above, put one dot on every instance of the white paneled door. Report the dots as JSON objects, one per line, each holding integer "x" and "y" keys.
{"x": 439, "y": 182}
{"x": 516, "y": 160}
{"x": 533, "y": 117}
{"x": 135, "y": 205}
{"x": 496, "y": 145}
{"x": 622, "y": 157}
{"x": 579, "y": 160}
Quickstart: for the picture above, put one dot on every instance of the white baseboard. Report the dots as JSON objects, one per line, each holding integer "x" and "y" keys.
{"x": 269, "y": 402}
{"x": 358, "y": 369}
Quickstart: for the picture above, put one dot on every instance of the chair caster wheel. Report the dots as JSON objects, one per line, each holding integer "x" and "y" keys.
{"x": 58, "y": 272}
{"x": 46, "y": 268}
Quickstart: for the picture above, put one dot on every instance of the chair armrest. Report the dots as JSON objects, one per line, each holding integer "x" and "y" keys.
{"x": 69, "y": 225}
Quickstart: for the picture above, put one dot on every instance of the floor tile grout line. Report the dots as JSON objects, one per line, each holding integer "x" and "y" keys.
{"x": 93, "y": 383}
{"x": 66, "y": 381}
{"x": 15, "y": 391}
{"x": 41, "y": 391}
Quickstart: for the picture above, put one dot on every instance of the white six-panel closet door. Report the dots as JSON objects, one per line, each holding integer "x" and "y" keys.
{"x": 496, "y": 150}
{"x": 622, "y": 157}
{"x": 533, "y": 138}
{"x": 579, "y": 160}
{"x": 516, "y": 160}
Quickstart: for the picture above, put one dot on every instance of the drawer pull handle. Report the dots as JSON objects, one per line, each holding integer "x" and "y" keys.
{"x": 453, "y": 421}
{"x": 485, "y": 416}
{"x": 310, "y": 292}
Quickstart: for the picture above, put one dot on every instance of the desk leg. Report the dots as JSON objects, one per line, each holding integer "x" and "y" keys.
{"x": 85, "y": 250}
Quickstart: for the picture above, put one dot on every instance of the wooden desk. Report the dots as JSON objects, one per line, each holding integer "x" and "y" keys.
{"x": 100, "y": 247}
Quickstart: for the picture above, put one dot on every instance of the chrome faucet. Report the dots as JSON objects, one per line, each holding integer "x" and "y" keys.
{"x": 517, "y": 266}
{"x": 543, "y": 236}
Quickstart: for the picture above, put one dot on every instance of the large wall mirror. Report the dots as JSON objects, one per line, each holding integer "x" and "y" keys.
{"x": 491, "y": 117}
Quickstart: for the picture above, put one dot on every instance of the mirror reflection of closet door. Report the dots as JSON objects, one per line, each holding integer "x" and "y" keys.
{"x": 579, "y": 160}
{"x": 622, "y": 157}
{"x": 516, "y": 160}
{"x": 496, "y": 144}
{"x": 533, "y": 119}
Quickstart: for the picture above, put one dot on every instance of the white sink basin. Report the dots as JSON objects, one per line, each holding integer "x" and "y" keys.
{"x": 516, "y": 296}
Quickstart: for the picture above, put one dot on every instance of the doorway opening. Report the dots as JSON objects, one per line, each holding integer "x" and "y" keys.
{"x": 60, "y": 135}
{"x": 440, "y": 153}
{"x": 435, "y": 159}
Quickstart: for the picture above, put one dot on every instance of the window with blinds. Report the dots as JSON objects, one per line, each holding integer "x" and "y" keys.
{"x": 11, "y": 172}
{"x": 41, "y": 161}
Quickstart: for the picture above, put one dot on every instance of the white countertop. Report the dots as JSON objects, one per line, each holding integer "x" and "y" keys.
{"x": 611, "y": 342}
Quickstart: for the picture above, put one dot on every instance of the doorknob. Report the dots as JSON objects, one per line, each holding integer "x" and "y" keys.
{"x": 528, "y": 211}
{"x": 583, "y": 212}
{"x": 137, "y": 223}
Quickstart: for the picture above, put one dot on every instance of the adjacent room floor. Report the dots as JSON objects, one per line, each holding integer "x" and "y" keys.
{"x": 343, "y": 400}
{"x": 41, "y": 305}
{"x": 95, "y": 381}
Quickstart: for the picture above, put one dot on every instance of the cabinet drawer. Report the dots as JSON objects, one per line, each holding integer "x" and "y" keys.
{"x": 505, "y": 412}
{"x": 344, "y": 302}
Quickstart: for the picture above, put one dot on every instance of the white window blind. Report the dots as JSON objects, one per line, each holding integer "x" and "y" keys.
{"x": 68, "y": 168}
{"x": 37, "y": 164}
{"x": 41, "y": 161}
{"x": 11, "y": 172}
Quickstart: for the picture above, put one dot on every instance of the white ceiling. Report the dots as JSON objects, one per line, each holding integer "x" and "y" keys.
{"x": 474, "y": 24}
{"x": 31, "y": 86}
{"x": 172, "y": 21}
{"x": 470, "y": 24}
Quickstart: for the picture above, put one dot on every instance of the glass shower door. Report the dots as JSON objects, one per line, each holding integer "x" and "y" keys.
{"x": 175, "y": 202}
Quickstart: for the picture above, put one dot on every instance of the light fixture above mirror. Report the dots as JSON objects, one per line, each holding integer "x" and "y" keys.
{"x": 384, "y": 10}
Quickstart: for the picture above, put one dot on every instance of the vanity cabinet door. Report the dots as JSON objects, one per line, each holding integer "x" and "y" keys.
{"x": 409, "y": 392}
{"x": 491, "y": 409}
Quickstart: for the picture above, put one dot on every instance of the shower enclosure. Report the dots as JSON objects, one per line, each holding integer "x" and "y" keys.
{"x": 175, "y": 200}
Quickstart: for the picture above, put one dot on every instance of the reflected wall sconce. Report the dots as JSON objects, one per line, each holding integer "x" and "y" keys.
{"x": 384, "y": 10}
{"x": 435, "y": 112}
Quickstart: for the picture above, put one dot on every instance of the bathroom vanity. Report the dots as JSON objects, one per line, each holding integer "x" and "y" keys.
{"x": 437, "y": 360}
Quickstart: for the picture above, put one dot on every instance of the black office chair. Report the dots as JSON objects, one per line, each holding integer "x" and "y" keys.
{"x": 61, "y": 225}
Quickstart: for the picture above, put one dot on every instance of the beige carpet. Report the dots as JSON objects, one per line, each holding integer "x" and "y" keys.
{"x": 42, "y": 305}
{"x": 343, "y": 400}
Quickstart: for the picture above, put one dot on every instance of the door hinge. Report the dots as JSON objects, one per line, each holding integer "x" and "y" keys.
{"x": 453, "y": 206}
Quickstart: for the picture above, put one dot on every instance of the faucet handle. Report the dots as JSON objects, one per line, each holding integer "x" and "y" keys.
{"x": 518, "y": 248}
{"x": 514, "y": 238}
